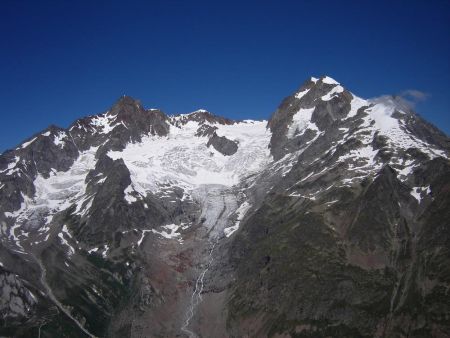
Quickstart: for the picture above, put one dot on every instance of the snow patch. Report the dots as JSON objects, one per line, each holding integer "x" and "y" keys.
{"x": 382, "y": 115}
{"x": 356, "y": 104}
{"x": 329, "y": 80}
{"x": 169, "y": 231}
{"x": 241, "y": 212}
{"x": 299, "y": 95}
{"x": 11, "y": 166}
{"x": 139, "y": 242}
{"x": 105, "y": 251}
{"x": 366, "y": 152}
{"x": 332, "y": 93}
{"x": 300, "y": 122}
{"x": 26, "y": 144}
{"x": 417, "y": 192}
{"x": 65, "y": 231}
{"x": 103, "y": 123}
{"x": 128, "y": 194}
{"x": 59, "y": 139}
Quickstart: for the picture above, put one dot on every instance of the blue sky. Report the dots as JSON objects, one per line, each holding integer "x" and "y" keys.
{"x": 61, "y": 60}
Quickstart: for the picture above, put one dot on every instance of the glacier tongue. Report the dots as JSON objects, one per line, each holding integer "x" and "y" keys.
{"x": 218, "y": 203}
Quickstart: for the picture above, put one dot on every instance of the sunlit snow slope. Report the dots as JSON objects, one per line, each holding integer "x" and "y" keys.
{"x": 184, "y": 160}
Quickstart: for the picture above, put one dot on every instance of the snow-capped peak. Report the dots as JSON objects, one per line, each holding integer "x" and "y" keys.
{"x": 329, "y": 80}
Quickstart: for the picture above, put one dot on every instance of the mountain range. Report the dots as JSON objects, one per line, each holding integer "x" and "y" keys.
{"x": 329, "y": 220}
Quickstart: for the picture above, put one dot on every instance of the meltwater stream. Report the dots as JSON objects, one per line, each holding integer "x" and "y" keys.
{"x": 196, "y": 296}
{"x": 218, "y": 203}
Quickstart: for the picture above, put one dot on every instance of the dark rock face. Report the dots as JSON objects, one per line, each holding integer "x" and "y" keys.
{"x": 355, "y": 268}
{"x": 203, "y": 116}
{"x": 16, "y": 301}
{"x": 372, "y": 227}
{"x": 108, "y": 204}
{"x": 319, "y": 258}
{"x": 223, "y": 145}
{"x": 341, "y": 231}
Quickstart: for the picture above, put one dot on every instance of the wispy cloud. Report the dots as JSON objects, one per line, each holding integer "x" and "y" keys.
{"x": 411, "y": 97}
{"x": 407, "y": 99}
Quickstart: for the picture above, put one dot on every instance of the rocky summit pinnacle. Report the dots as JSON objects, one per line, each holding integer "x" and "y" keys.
{"x": 126, "y": 105}
{"x": 330, "y": 219}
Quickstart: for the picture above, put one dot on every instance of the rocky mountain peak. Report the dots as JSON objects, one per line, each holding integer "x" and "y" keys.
{"x": 126, "y": 105}
{"x": 322, "y": 107}
{"x": 312, "y": 109}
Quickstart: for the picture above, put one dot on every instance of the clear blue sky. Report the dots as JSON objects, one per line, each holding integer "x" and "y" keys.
{"x": 60, "y": 60}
